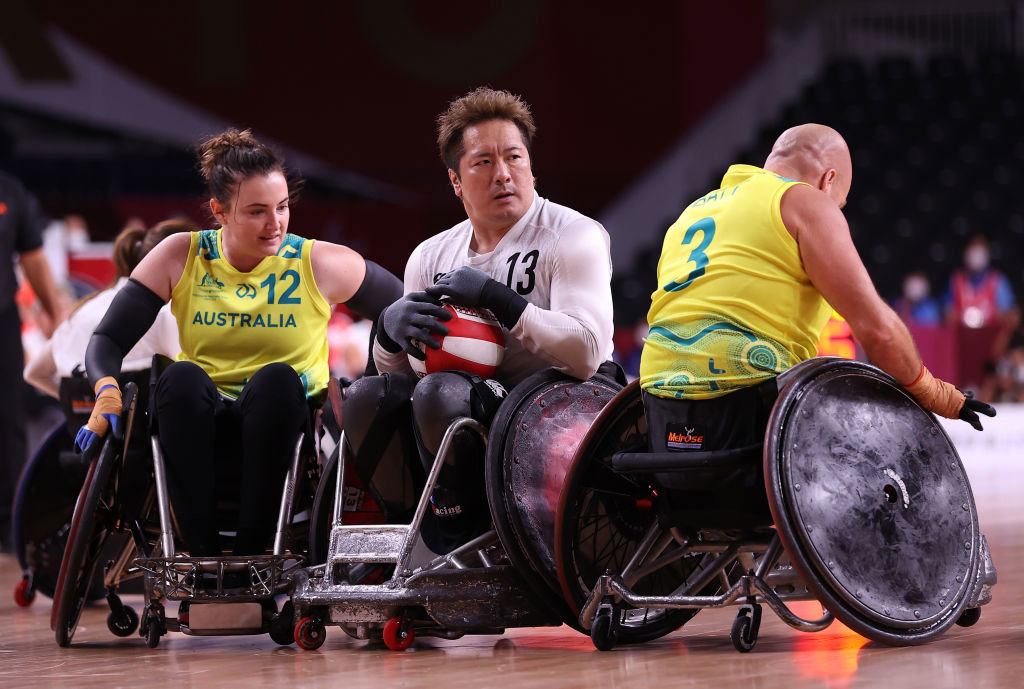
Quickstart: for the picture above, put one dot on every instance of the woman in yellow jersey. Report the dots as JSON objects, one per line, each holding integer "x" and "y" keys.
{"x": 252, "y": 303}
{"x": 747, "y": 278}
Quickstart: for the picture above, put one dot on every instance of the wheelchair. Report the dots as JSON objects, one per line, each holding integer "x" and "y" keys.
{"x": 124, "y": 499}
{"x": 870, "y": 513}
{"x": 505, "y": 577}
{"x": 47, "y": 489}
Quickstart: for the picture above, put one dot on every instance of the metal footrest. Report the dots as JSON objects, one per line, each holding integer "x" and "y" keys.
{"x": 221, "y": 578}
{"x": 366, "y": 543}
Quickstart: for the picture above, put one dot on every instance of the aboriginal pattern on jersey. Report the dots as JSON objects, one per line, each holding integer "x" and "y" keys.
{"x": 712, "y": 357}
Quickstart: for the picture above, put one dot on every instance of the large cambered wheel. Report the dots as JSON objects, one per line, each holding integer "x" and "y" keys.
{"x": 91, "y": 526}
{"x": 871, "y": 502}
{"x": 604, "y": 515}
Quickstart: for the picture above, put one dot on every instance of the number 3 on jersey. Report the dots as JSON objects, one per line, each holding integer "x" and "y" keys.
{"x": 706, "y": 226}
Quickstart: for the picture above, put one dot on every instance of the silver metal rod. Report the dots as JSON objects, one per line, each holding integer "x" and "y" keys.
{"x": 166, "y": 529}
{"x": 645, "y": 548}
{"x": 435, "y": 470}
{"x": 288, "y": 497}
{"x": 770, "y": 557}
{"x": 339, "y": 485}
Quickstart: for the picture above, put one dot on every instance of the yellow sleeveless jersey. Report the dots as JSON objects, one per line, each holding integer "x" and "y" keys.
{"x": 734, "y": 305}
{"x": 232, "y": 323}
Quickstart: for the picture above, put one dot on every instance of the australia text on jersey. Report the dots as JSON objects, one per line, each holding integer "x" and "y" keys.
{"x": 244, "y": 320}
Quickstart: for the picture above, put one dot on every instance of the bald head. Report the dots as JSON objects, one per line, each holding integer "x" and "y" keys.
{"x": 815, "y": 154}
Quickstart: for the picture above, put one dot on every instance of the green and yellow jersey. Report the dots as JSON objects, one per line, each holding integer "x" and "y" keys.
{"x": 232, "y": 323}
{"x": 734, "y": 305}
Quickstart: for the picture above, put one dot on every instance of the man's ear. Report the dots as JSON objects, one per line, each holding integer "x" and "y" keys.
{"x": 827, "y": 179}
{"x": 453, "y": 177}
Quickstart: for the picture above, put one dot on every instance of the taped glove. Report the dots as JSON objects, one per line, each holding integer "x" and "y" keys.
{"x": 104, "y": 415}
{"x": 946, "y": 400}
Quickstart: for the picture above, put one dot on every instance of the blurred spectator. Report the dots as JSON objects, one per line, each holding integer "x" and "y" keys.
{"x": 63, "y": 352}
{"x": 1009, "y": 376}
{"x": 21, "y": 227}
{"x": 981, "y": 306}
{"x": 979, "y": 295}
{"x": 916, "y": 306}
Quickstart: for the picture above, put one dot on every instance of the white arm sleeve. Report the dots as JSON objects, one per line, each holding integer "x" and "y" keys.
{"x": 575, "y": 335}
{"x": 399, "y": 362}
{"x": 41, "y": 370}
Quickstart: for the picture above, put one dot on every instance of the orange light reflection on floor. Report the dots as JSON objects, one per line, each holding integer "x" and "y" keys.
{"x": 831, "y": 655}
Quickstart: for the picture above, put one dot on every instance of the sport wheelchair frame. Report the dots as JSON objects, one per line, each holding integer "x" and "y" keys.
{"x": 145, "y": 522}
{"x": 621, "y": 559}
{"x": 486, "y": 585}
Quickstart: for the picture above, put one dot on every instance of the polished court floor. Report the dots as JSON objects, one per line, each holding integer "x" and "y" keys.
{"x": 988, "y": 655}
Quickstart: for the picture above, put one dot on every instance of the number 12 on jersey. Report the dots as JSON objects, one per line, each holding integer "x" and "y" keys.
{"x": 706, "y": 226}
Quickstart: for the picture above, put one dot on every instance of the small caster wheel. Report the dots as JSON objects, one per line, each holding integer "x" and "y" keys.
{"x": 398, "y": 636}
{"x": 601, "y": 632}
{"x": 153, "y": 624}
{"x": 282, "y": 630}
{"x": 310, "y": 633}
{"x": 153, "y": 636}
{"x": 24, "y": 594}
{"x": 744, "y": 629}
{"x": 124, "y": 623}
{"x": 969, "y": 617}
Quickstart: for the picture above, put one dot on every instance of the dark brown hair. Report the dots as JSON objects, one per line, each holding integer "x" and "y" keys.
{"x": 161, "y": 230}
{"x": 226, "y": 159}
{"x": 480, "y": 105}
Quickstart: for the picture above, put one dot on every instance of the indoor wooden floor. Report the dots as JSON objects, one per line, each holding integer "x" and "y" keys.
{"x": 986, "y": 656}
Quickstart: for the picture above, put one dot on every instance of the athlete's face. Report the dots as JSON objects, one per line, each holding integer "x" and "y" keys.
{"x": 257, "y": 221}
{"x": 494, "y": 180}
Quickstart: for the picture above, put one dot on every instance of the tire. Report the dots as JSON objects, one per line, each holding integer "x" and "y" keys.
{"x": 323, "y": 510}
{"x": 91, "y": 526}
{"x": 86, "y": 538}
{"x": 124, "y": 624}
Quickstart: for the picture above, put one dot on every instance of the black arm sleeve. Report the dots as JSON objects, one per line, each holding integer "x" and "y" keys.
{"x": 128, "y": 317}
{"x": 506, "y": 305}
{"x": 379, "y": 290}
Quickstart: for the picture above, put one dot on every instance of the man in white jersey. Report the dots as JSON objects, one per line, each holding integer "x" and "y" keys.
{"x": 544, "y": 270}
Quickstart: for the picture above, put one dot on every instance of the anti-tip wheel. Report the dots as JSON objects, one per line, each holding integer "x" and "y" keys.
{"x": 24, "y": 594}
{"x": 310, "y": 633}
{"x": 397, "y": 636}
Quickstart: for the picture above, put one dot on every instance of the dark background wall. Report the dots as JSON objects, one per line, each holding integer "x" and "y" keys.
{"x": 359, "y": 85}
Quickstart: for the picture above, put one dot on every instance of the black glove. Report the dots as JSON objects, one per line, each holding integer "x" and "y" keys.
{"x": 467, "y": 286}
{"x": 413, "y": 317}
{"x": 972, "y": 407}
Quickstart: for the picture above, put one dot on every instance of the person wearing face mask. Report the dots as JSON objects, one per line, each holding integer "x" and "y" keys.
{"x": 982, "y": 310}
{"x": 979, "y": 295}
{"x": 917, "y": 307}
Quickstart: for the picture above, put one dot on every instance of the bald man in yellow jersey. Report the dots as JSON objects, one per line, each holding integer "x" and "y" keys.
{"x": 747, "y": 279}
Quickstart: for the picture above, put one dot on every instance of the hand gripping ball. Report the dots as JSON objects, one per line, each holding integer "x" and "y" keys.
{"x": 475, "y": 343}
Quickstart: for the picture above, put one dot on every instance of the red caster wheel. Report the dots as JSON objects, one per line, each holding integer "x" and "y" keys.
{"x": 24, "y": 594}
{"x": 310, "y": 633}
{"x": 396, "y": 637}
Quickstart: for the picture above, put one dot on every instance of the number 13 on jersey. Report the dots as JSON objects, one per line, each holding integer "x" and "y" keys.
{"x": 706, "y": 227}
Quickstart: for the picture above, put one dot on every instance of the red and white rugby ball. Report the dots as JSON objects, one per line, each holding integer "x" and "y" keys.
{"x": 475, "y": 343}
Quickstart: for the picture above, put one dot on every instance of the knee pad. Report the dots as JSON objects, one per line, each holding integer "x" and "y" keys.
{"x": 377, "y": 419}
{"x": 440, "y": 398}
